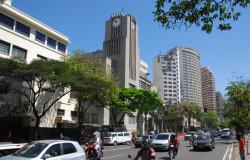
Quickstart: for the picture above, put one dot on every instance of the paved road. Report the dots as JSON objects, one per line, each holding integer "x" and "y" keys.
{"x": 222, "y": 151}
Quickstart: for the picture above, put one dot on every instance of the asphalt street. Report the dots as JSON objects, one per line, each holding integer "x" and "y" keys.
{"x": 223, "y": 151}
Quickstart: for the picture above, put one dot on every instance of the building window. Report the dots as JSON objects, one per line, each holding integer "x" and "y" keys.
{"x": 131, "y": 120}
{"x": 40, "y": 37}
{"x": 60, "y": 112}
{"x": 19, "y": 53}
{"x": 61, "y": 47}
{"x": 6, "y": 21}
{"x": 51, "y": 43}
{"x": 94, "y": 118}
{"x": 73, "y": 114}
{"x": 23, "y": 29}
{"x": 4, "y": 48}
{"x": 41, "y": 57}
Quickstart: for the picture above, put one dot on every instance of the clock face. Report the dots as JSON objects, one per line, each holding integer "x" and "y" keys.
{"x": 116, "y": 22}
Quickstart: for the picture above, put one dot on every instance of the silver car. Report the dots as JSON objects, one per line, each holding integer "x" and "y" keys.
{"x": 49, "y": 150}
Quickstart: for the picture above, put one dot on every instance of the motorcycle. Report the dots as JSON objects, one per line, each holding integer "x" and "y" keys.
{"x": 171, "y": 152}
{"x": 92, "y": 153}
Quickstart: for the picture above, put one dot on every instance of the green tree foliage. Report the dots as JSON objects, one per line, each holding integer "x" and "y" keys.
{"x": 173, "y": 14}
{"x": 42, "y": 83}
{"x": 237, "y": 109}
{"x": 90, "y": 83}
{"x": 191, "y": 110}
{"x": 211, "y": 120}
{"x": 174, "y": 117}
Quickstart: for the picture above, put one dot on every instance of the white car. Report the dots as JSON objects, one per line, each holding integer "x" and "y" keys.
{"x": 115, "y": 138}
{"x": 49, "y": 150}
{"x": 161, "y": 141}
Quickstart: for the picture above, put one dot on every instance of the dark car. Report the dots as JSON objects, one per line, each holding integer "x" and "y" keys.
{"x": 215, "y": 134}
{"x": 203, "y": 142}
{"x": 148, "y": 138}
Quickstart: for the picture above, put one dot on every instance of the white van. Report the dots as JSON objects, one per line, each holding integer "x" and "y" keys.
{"x": 115, "y": 138}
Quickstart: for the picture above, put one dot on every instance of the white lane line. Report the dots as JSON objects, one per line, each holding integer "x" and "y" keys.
{"x": 225, "y": 155}
{"x": 113, "y": 156}
{"x": 116, "y": 149}
{"x": 230, "y": 155}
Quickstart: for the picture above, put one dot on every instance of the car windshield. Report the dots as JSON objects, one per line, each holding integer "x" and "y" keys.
{"x": 162, "y": 137}
{"x": 202, "y": 137}
{"x": 144, "y": 137}
{"x": 107, "y": 134}
{"x": 30, "y": 150}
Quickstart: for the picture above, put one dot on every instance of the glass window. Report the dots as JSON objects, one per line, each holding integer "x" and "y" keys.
{"x": 60, "y": 112}
{"x": 40, "y": 37}
{"x": 162, "y": 137}
{"x": 61, "y": 47}
{"x": 68, "y": 148}
{"x": 30, "y": 150}
{"x": 6, "y": 21}
{"x": 41, "y": 57}
{"x": 94, "y": 118}
{"x": 120, "y": 134}
{"x": 23, "y": 29}
{"x": 51, "y": 42}
{"x": 54, "y": 150}
{"x": 4, "y": 48}
{"x": 19, "y": 53}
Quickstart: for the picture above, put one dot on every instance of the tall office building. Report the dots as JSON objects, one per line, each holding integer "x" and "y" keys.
{"x": 177, "y": 76}
{"x": 144, "y": 82}
{"x": 208, "y": 90}
{"x": 121, "y": 46}
{"x": 219, "y": 105}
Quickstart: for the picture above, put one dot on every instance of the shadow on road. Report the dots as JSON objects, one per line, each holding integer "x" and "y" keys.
{"x": 164, "y": 158}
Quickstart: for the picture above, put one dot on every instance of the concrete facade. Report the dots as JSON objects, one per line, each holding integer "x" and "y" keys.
{"x": 121, "y": 46}
{"x": 208, "y": 90}
{"x": 24, "y": 37}
{"x": 219, "y": 105}
{"x": 177, "y": 76}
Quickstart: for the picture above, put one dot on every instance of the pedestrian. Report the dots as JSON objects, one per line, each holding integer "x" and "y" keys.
{"x": 242, "y": 149}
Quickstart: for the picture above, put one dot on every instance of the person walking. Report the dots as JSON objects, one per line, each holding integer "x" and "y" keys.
{"x": 242, "y": 143}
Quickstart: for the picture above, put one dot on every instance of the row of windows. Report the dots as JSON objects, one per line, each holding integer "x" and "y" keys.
{"x": 17, "y": 52}
{"x": 25, "y": 30}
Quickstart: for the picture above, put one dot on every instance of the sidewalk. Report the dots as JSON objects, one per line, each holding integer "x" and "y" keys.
{"x": 236, "y": 150}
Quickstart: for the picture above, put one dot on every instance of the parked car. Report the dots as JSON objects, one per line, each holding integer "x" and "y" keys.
{"x": 49, "y": 149}
{"x": 148, "y": 138}
{"x": 161, "y": 141}
{"x": 188, "y": 136}
{"x": 215, "y": 133}
{"x": 115, "y": 138}
{"x": 203, "y": 142}
{"x": 226, "y": 133}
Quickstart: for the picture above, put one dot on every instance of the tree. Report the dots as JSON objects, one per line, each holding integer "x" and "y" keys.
{"x": 42, "y": 84}
{"x": 90, "y": 83}
{"x": 237, "y": 109}
{"x": 173, "y": 14}
{"x": 174, "y": 117}
{"x": 211, "y": 120}
{"x": 191, "y": 110}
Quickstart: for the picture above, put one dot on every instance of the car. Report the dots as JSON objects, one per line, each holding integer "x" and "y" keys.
{"x": 215, "y": 133}
{"x": 115, "y": 138}
{"x": 148, "y": 138}
{"x": 188, "y": 136}
{"x": 7, "y": 148}
{"x": 226, "y": 133}
{"x": 161, "y": 141}
{"x": 203, "y": 142}
{"x": 49, "y": 150}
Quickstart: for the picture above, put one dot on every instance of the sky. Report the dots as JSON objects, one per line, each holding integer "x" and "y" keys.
{"x": 226, "y": 53}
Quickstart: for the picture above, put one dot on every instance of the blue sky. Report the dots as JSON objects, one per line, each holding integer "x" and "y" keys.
{"x": 226, "y": 54}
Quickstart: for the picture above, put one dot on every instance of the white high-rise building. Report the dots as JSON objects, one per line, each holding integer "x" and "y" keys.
{"x": 177, "y": 76}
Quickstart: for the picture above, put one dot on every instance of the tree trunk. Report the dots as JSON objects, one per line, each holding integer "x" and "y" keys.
{"x": 146, "y": 123}
{"x": 189, "y": 122}
{"x": 36, "y": 131}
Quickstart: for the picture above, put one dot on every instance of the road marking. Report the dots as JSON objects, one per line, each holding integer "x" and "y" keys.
{"x": 116, "y": 149}
{"x": 230, "y": 155}
{"x": 113, "y": 156}
{"x": 225, "y": 155}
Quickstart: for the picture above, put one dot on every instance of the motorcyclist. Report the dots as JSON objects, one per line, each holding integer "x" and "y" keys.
{"x": 96, "y": 141}
{"x": 175, "y": 143}
{"x": 146, "y": 153}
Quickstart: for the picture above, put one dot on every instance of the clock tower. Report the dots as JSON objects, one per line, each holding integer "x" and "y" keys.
{"x": 121, "y": 46}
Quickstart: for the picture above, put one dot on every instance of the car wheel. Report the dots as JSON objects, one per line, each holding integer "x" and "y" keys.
{"x": 115, "y": 143}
